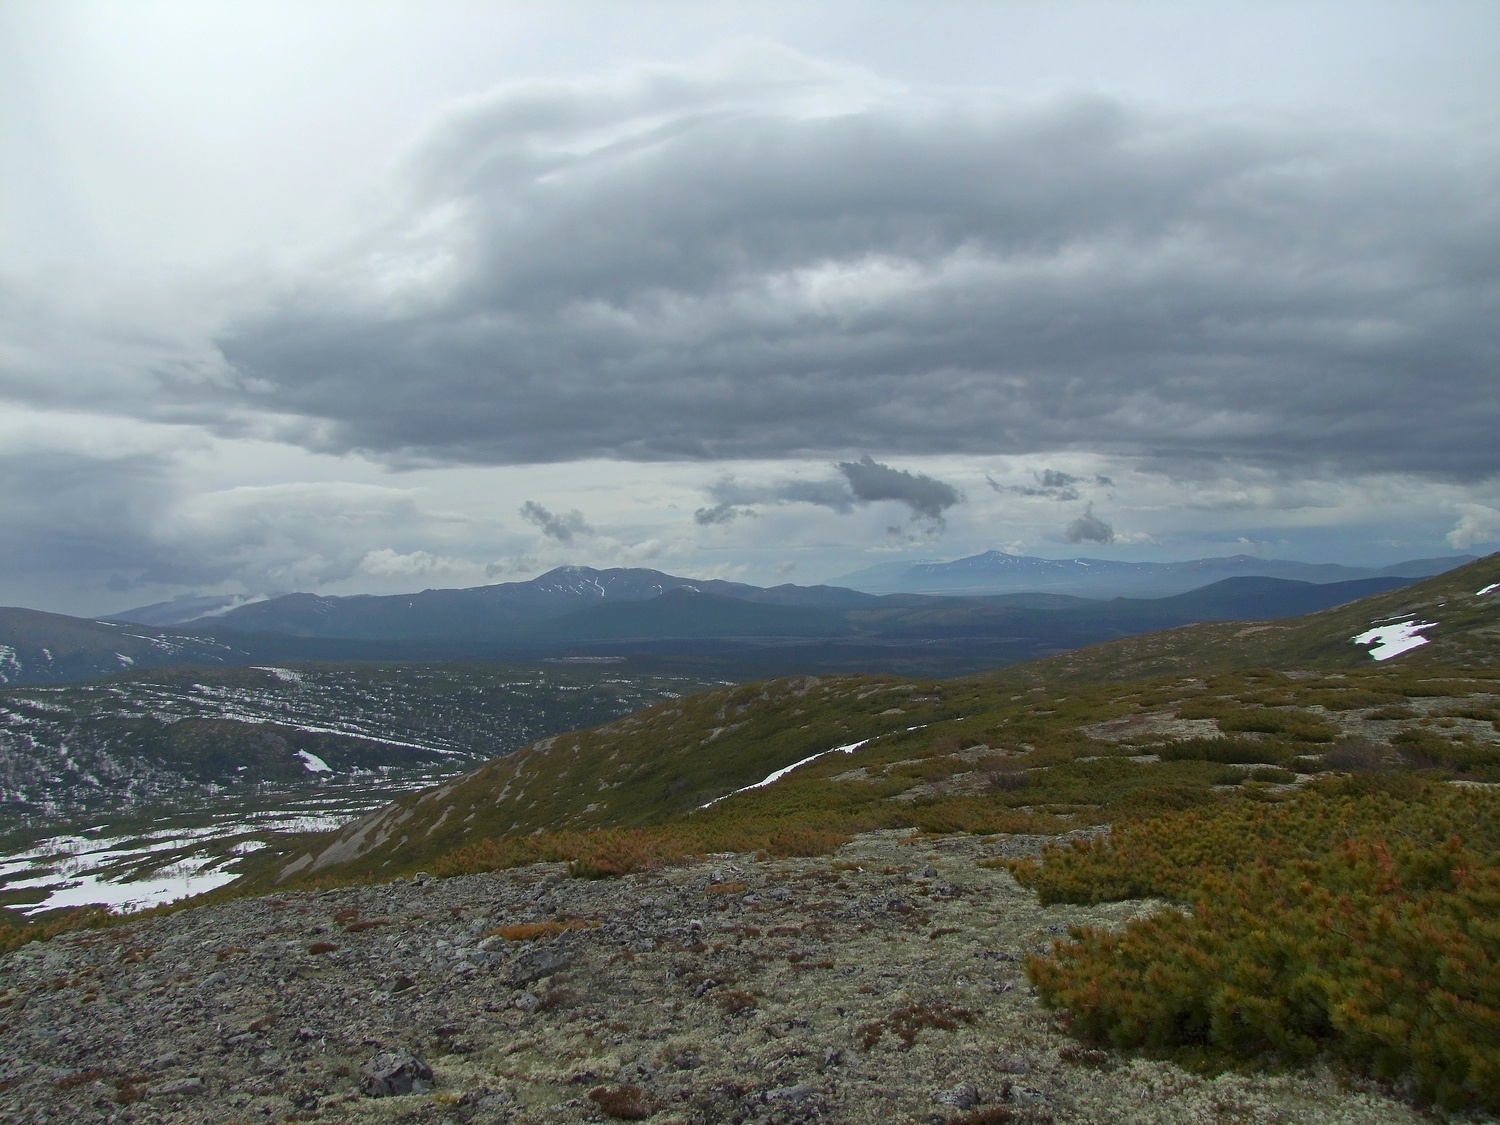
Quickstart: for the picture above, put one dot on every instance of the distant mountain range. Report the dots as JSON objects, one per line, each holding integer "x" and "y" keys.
{"x": 480, "y": 612}
{"x": 995, "y": 572}
{"x": 727, "y": 629}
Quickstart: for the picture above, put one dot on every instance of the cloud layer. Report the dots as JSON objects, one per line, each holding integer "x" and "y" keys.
{"x": 747, "y": 314}
{"x": 781, "y": 262}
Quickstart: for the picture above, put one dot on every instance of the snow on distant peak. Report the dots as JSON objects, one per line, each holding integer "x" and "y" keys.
{"x": 1395, "y": 638}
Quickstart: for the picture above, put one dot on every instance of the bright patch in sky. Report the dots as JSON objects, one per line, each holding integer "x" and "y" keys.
{"x": 1393, "y": 640}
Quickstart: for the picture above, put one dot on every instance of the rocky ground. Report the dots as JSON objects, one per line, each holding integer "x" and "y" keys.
{"x": 882, "y": 984}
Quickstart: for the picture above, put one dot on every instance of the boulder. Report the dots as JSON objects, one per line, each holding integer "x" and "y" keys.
{"x": 394, "y": 1073}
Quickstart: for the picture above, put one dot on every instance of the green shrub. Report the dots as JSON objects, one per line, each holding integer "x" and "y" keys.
{"x": 1357, "y": 919}
{"x": 1424, "y": 748}
{"x": 1273, "y": 775}
{"x": 1234, "y": 751}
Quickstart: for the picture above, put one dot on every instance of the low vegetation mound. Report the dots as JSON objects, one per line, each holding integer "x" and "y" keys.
{"x": 1360, "y": 918}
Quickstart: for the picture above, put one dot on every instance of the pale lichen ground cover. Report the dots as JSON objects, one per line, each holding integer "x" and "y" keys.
{"x": 884, "y": 983}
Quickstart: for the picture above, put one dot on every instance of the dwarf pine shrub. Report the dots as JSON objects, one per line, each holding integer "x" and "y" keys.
{"x": 1358, "y": 919}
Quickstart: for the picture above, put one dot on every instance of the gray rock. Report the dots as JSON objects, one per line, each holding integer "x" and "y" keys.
{"x": 534, "y": 964}
{"x": 392, "y": 1073}
{"x": 796, "y": 1093}
{"x": 179, "y": 1088}
{"x": 960, "y": 1097}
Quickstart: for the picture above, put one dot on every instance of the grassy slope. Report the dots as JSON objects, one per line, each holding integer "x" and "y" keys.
{"x": 989, "y": 751}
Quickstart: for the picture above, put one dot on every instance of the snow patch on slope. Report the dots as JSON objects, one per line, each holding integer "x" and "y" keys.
{"x": 1394, "y": 639}
{"x": 314, "y": 763}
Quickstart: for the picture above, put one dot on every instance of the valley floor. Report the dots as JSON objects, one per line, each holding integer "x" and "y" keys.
{"x": 881, "y": 984}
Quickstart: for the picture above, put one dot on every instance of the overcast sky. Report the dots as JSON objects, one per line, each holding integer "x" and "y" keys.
{"x": 372, "y": 297}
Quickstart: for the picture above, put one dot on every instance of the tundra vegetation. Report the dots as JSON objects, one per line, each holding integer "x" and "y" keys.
{"x": 1325, "y": 827}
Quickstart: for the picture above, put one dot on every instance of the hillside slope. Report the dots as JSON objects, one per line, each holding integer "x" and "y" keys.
{"x": 1138, "y": 725}
{"x": 40, "y": 648}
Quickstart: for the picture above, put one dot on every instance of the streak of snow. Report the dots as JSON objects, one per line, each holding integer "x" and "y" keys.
{"x": 285, "y": 675}
{"x": 779, "y": 774}
{"x": 8, "y": 660}
{"x": 1491, "y": 588}
{"x": 1395, "y": 638}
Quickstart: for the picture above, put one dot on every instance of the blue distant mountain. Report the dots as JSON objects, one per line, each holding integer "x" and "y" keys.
{"x": 996, "y": 572}
{"x": 748, "y": 630}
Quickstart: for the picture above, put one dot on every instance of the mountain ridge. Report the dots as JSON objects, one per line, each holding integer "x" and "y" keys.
{"x": 999, "y": 572}
{"x": 745, "y": 631}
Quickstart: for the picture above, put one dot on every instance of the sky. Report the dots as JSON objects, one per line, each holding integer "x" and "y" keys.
{"x": 370, "y": 297}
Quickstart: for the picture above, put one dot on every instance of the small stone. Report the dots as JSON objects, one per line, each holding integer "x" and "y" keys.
{"x": 796, "y": 1093}
{"x": 218, "y": 976}
{"x": 960, "y": 1097}
{"x": 392, "y": 1073}
{"x": 1025, "y": 1095}
{"x": 180, "y": 1087}
{"x": 527, "y": 1002}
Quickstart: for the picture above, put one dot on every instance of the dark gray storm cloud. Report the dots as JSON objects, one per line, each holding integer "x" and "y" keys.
{"x": 1089, "y": 528}
{"x": 718, "y": 514}
{"x": 58, "y": 508}
{"x": 96, "y": 532}
{"x": 1051, "y": 484}
{"x": 863, "y": 482}
{"x": 686, "y": 269}
{"x": 562, "y": 526}
{"x": 927, "y": 497}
